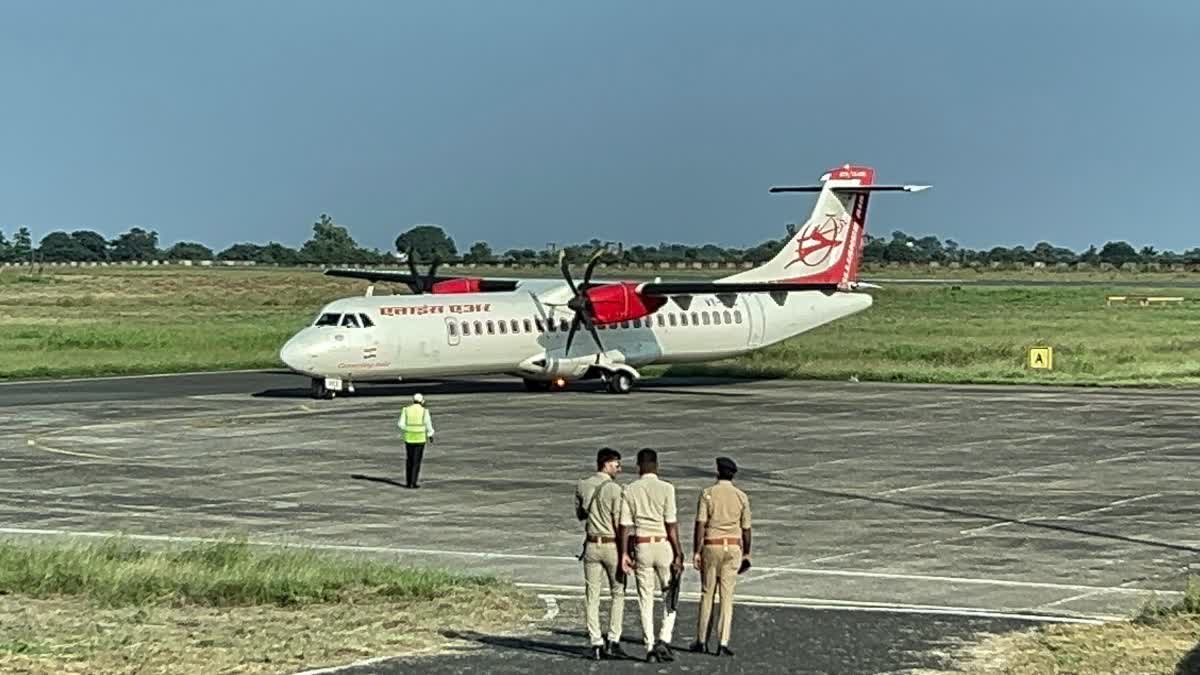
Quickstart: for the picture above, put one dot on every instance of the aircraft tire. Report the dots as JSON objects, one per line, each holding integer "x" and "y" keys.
{"x": 319, "y": 390}
{"x": 620, "y": 382}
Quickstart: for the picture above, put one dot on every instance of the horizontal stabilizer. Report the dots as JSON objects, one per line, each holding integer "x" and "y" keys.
{"x": 851, "y": 189}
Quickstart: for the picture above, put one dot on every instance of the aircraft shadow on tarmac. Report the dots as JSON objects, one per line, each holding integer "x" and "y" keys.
{"x": 673, "y": 386}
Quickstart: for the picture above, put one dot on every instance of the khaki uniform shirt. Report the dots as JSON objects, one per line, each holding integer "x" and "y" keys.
{"x": 725, "y": 511}
{"x": 648, "y": 505}
{"x": 607, "y": 507}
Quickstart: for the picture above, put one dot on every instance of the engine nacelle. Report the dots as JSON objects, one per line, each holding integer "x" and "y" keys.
{"x": 462, "y": 285}
{"x": 613, "y": 303}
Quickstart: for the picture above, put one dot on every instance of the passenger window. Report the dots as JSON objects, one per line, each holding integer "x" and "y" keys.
{"x": 704, "y": 315}
{"x": 695, "y": 319}
{"x": 671, "y": 318}
{"x": 737, "y": 316}
{"x": 478, "y": 328}
{"x": 716, "y": 318}
{"x": 637, "y": 323}
{"x": 453, "y": 329}
{"x": 625, "y": 324}
{"x": 683, "y": 319}
{"x": 538, "y": 324}
{"x": 551, "y": 325}
{"x": 516, "y": 326}
{"x": 328, "y": 320}
{"x": 662, "y": 321}
{"x": 491, "y": 326}
{"x": 349, "y": 321}
{"x": 466, "y": 328}
{"x": 503, "y": 327}
{"x": 727, "y": 317}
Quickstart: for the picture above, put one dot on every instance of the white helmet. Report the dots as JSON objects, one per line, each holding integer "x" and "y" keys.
{"x": 418, "y": 398}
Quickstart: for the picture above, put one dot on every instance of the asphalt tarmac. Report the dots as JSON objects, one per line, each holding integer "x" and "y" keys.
{"x": 888, "y": 518}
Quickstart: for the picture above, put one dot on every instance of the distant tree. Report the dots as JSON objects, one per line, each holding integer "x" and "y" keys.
{"x": 5, "y": 248}
{"x": 1147, "y": 254}
{"x": 479, "y": 252}
{"x": 1091, "y": 256}
{"x": 188, "y": 250}
{"x": 60, "y": 247}
{"x": 330, "y": 243}
{"x": 136, "y": 244}
{"x": 1118, "y": 253}
{"x": 93, "y": 242}
{"x": 1191, "y": 256}
{"x": 241, "y": 252}
{"x": 427, "y": 241}
{"x": 275, "y": 253}
{"x": 22, "y": 244}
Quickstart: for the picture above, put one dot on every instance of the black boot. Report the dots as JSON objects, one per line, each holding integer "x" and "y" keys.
{"x": 724, "y": 651}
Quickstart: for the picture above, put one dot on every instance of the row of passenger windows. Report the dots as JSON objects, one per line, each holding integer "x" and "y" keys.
{"x": 345, "y": 320}
{"x": 518, "y": 326}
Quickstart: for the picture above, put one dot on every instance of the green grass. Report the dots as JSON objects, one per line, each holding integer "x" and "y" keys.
{"x": 112, "y": 606}
{"x": 145, "y": 320}
{"x": 117, "y": 573}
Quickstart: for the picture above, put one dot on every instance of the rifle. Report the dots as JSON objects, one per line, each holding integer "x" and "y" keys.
{"x": 671, "y": 595}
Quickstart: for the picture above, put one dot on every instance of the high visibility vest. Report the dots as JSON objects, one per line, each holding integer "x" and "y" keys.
{"x": 413, "y": 418}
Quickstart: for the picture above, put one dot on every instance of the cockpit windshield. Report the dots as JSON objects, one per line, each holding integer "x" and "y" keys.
{"x": 344, "y": 320}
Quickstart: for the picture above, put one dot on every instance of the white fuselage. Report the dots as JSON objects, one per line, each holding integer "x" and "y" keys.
{"x": 421, "y": 336}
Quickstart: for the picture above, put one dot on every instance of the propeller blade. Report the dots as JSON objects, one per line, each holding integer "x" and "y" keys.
{"x": 587, "y": 274}
{"x": 416, "y": 285}
{"x": 595, "y": 336}
{"x": 562, "y": 264}
{"x": 571, "y": 335}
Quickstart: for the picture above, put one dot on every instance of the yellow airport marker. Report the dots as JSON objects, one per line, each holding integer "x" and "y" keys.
{"x": 1041, "y": 357}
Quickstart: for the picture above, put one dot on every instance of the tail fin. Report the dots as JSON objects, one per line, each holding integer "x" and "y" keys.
{"x": 828, "y": 247}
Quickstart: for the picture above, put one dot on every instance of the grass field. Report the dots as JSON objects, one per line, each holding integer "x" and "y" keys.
{"x": 115, "y": 607}
{"x": 101, "y": 321}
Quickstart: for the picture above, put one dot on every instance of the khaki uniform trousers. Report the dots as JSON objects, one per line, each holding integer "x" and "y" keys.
{"x": 600, "y": 562}
{"x": 654, "y": 564}
{"x": 718, "y": 565}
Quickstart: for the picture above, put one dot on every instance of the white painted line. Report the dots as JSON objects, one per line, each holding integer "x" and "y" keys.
{"x": 137, "y": 377}
{"x": 862, "y": 606}
{"x": 572, "y": 559}
{"x": 346, "y": 666}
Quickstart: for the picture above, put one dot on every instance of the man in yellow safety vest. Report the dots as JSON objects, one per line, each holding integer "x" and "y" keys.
{"x": 417, "y": 427}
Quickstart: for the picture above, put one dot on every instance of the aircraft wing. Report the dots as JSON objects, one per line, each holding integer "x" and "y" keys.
{"x": 396, "y": 276}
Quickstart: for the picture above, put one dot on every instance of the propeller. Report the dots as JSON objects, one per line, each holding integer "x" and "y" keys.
{"x": 581, "y": 304}
{"x": 421, "y": 284}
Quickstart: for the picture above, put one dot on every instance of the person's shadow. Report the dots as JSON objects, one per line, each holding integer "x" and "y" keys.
{"x": 1190, "y": 663}
{"x": 376, "y": 479}
{"x": 520, "y": 643}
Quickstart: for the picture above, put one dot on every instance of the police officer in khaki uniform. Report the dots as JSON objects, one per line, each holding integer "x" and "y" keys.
{"x": 598, "y": 505}
{"x": 649, "y": 509}
{"x": 721, "y": 549}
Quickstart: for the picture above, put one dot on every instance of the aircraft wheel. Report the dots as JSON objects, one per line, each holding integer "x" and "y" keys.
{"x": 620, "y": 382}
{"x": 319, "y": 390}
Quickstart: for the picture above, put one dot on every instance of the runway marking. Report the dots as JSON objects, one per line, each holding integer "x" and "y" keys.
{"x": 35, "y": 444}
{"x": 571, "y": 593}
{"x": 979, "y": 581}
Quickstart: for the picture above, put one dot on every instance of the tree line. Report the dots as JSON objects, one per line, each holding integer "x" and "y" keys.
{"x": 332, "y": 243}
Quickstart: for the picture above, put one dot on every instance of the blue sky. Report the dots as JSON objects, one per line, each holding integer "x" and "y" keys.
{"x": 524, "y": 122}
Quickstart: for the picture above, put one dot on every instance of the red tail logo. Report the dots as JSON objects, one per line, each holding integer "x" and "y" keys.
{"x": 814, "y": 246}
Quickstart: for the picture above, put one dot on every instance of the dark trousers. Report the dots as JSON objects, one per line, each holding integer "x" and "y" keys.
{"x": 412, "y": 463}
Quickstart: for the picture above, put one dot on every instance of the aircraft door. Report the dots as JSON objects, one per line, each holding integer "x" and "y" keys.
{"x": 452, "y": 336}
{"x": 756, "y": 317}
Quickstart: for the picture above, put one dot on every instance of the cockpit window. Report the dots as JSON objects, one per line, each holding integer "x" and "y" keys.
{"x": 349, "y": 321}
{"x": 366, "y": 321}
{"x": 328, "y": 320}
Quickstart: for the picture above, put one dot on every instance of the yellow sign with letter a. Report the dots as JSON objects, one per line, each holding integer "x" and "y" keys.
{"x": 1041, "y": 357}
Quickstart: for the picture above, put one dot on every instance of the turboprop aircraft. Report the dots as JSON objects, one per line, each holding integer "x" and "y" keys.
{"x": 528, "y": 328}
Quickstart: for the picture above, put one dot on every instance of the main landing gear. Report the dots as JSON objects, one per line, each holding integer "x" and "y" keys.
{"x": 616, "y": 381}
{"x": 620, "y": 382}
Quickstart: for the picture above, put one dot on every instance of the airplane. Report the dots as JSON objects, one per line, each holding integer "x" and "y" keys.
{"x": 528, "y": 328}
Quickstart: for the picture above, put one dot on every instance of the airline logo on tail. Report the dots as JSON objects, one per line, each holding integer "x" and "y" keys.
{"x": 818, "y": 242}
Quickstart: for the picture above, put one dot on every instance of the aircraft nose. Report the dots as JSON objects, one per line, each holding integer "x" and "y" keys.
{"x": 293, "y": 354}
